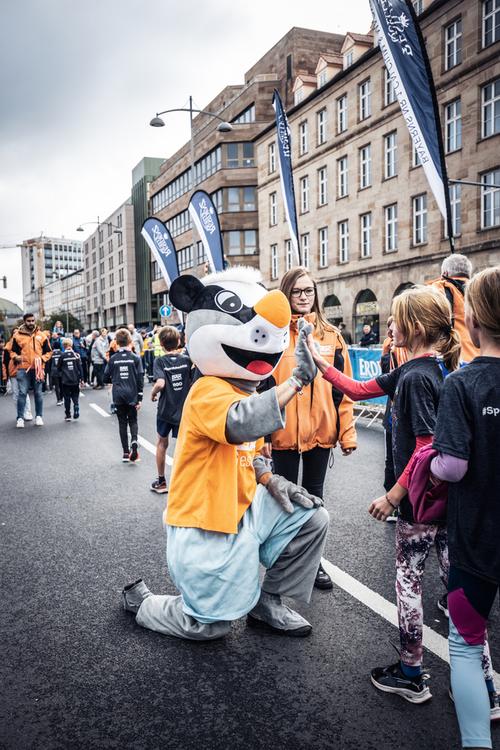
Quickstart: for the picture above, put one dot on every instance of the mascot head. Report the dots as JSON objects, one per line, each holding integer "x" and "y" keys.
{"x": 234, "y": 328}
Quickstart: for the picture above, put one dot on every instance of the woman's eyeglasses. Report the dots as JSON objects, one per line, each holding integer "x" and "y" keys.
{"x": 309, "y": 292}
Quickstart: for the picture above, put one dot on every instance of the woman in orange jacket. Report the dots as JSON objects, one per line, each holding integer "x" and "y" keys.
{"x": 321, "y": 417}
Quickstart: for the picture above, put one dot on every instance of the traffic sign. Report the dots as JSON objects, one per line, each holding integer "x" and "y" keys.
{"x": 166, "y": 311}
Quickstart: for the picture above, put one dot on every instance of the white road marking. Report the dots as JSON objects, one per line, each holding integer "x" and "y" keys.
{"x": 100, "y": 411}
{"x": 432, "y": 640}
{"x": 152, "y": 449}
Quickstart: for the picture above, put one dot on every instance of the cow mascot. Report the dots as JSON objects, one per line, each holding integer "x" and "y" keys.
{"x": 227, "y": 512}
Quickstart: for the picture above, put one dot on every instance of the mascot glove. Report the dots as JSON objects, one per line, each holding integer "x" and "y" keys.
{"x": 285, "y": 493}
{"x": 305, "y": 369}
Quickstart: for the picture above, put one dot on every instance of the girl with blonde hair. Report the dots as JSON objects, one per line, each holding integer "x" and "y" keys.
{"x": 467, "y": 437}
{"x": 421, "y": 323}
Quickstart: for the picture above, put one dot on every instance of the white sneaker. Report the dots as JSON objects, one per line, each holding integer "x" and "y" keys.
{"x": 39, "y": 421}
{"x": 20, "y": 422}
{"x": 59, "y": 403}
{"x": 28, "y": 416}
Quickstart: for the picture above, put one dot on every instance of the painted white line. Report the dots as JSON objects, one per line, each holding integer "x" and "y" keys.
{"x": 152, "y": 449}
{"x": 432, "y": 640}
{"x": 100, "y": 411}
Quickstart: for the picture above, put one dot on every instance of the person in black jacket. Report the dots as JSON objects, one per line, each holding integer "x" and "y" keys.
{"x": 172, "y": 374}
{"x": 70, "y": 368}
{"x": 55, "y": 373}
{"x": 124, "y": 371}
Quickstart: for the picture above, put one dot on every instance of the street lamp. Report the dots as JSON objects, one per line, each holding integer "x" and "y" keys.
{"x": 116, "y": 230}
{"x": 222, "y": 127}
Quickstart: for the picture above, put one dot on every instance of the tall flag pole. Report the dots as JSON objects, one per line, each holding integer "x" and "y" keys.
{"x": 286, "y": 174}
{"x": 405, "y": 57}
{"x": 205, "y": 217}
{"x": 162, "y": 246}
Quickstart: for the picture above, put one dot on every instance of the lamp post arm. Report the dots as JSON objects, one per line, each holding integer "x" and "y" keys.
{"x": 186, "y": 109}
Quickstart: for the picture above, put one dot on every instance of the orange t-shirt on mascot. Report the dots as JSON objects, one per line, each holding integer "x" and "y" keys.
{"x": 205, "y": 462}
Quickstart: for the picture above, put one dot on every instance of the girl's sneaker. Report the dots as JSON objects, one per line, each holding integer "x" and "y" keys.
{"x": 442, "y": 604}
{"x": 392, "y": 679}
{"x": 134, "y": 453}
{"x": 125, "y": 457}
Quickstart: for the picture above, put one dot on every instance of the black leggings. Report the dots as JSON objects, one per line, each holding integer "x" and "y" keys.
{"x": 71, "y": 393}
{"x": 127, "y": 417}
{"x": 56, "y": 382}
{"x": 314, "y": 466}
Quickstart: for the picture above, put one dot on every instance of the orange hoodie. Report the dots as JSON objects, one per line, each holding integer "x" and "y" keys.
{"x": 30, "y": 345}
{"x": 469, "y": 351}
{"x": 313, "y": 419}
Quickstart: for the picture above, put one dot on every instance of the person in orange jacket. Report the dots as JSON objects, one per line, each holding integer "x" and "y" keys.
{"x": 456, "y": 271}
{"x": 320, "y": 418}
{"x": 30, "y": 351}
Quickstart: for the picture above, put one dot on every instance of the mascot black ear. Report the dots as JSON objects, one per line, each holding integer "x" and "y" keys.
{"x": 184, "y": 292}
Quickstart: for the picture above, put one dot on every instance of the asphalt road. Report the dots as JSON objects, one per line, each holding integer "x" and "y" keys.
{"x": 77, "y": 672}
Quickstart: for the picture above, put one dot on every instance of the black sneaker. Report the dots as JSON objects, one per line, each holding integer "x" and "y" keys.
{"x": 67, "y": 418}
{"x": 442, "y": 604}
{"x": 494, "y": 704}
{"x": 323, "y": 580}
{"x": 125, "y": 457}
{"x": 134, "y": 453}
{"x": 76, "y": 414}
{"x": 392, "y": 679}
{"x": 159, "y": 486}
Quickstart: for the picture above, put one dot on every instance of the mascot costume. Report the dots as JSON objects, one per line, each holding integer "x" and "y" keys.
{"x": 226, "y": 511}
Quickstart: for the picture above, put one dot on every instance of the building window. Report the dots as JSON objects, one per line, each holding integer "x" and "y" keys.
{"x": 304, "y": 243}
{"x": 121, "y": 275}
{"x": 271, "y": 157}
{"x": 456, "y": 209}
{"x": 93, "y": 243}
{"x": 343, "y": 233}
{"x": 416, "y": 161}
{"x": 111, "y": 279}
{"x": 110, "y": 246}
{"x": 120, "y": 239}
{"x": 365, "y": 167}
{"x": 288, "y": 255}
{"x": 391, "y": 227}
{"x": 303, "y": 138}
{"x": 101, "y": 268}
{"x": 491, "y": 22}
{"x": 365, "y": 99}
{"x": 342, "y": 114}
{"x": 120, "y": 256}
{"x": 390, "y": 153}
{"x": 342, "y": 177}
{"x": 242, "y": 242}
{"x": 200, "y": 253}
{"x": 453, "y": 44}
{"x": 348, "y": 59}
{"x": 321, "y": 126}
{"x": 453, "y": 124}
{"x": 389, "y": 90}
{"x": 490, "y": 200}
{"x": 110, "y": 229}
{"x": 185, "y": 258}
{"x": 490, "y": 110}
{"x": 248, "y": 115}
{"x": 322, "y": 186}
{"x": 323, "y": 247}
{"x": 366, "y": 235}
{"x": 418, "y": 6}
{"x": 111, "y": 296}
{"x": 322, "y": 78}
{"x": 119, "y": 220}
{"x": 101, "y": 235}
{"x": 419, "y": 219}
{"x": 122, "y": 292}
{"x": 274, "y": 262}
{"x": 304, "y": 194}
{"x": 273, "y": 210}
{"x": 110, "y": 263}
{"x": 299, "y": 95}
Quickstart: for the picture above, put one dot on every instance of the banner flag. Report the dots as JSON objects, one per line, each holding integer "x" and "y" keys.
{"x": 286, "y": 174}
{"x": 405, "y": 57}
{"x": 162, "y": 246}
{"x": 206, "y": 220}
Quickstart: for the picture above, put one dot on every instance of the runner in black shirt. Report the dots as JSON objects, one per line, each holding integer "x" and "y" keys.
{"x": 172, "y": 375}
{"x": 468, "y": 440}
{"x": 69, "y": 367}
{"x": 124, "y": 371}
{"x": 422, "y": 324}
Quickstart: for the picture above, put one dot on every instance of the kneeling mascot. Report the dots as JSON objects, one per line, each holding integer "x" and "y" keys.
{"x": 226, "y": 511}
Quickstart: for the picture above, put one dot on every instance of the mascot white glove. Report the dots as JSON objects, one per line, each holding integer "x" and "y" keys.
{"x": 284, "y": 492}
{"x": 305, "y": 369}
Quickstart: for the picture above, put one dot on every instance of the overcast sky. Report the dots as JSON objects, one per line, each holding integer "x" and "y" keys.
{"x": 79, "y": 82}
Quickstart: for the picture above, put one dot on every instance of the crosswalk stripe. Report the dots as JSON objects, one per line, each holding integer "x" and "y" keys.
{"x": 100, "y": 411}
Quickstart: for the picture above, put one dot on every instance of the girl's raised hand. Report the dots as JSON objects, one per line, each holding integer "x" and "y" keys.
{"x": 321, "y": 363}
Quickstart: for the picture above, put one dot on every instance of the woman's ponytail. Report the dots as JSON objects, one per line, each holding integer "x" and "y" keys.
{"x": 450, "y": 349}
